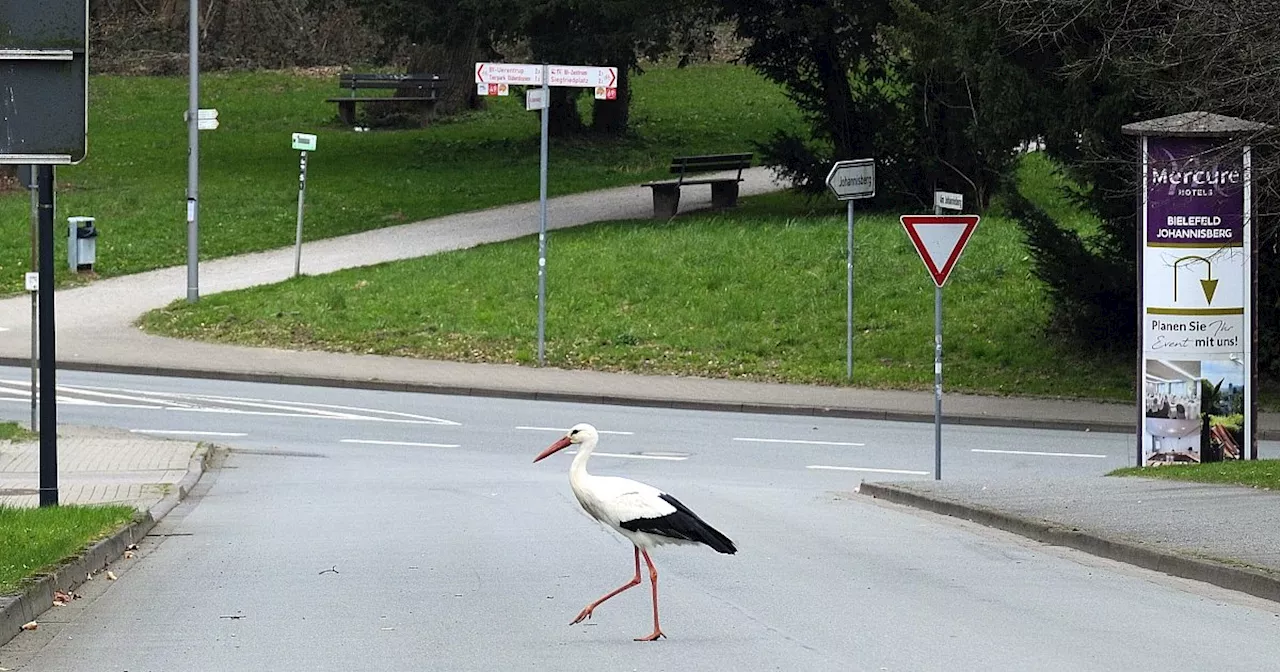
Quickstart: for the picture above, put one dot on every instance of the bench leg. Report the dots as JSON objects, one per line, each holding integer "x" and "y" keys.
{"x": 666, "y": 200}
{"x": 347, "y": 112}
{"x": 724, "y": 194}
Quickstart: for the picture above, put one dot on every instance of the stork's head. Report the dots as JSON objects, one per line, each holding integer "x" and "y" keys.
{"x": 579, "y": 433}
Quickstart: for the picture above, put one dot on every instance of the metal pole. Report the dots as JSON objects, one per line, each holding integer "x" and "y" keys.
{"x": 302, "y": 194}
{"x": 937, "y": 371}
{"x": 193, "y": 150}
{"x": 849, "y": 290}
{"x": 34, "y": 187}
{"x": 48, "y": 365}
{"x": 937, "y": 383}
{"x": 542, "y": 224}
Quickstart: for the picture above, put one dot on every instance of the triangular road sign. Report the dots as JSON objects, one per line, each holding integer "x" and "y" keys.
{"x": 939, "y": 239}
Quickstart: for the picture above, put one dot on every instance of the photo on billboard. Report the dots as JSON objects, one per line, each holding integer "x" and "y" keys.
{"x": 1193, "y": 411}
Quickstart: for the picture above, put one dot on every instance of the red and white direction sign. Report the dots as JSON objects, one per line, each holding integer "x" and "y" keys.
{"x": 588, "y": 76}
{"x": 940, "y": 239}
{"x": 525, "y": 74}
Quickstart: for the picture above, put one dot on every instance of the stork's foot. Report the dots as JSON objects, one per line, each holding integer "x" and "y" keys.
{"x": 657, "y": 634}
{"x": 582, "y": 616}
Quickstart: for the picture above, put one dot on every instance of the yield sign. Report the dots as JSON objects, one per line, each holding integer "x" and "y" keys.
{"x": 939, "y": 239}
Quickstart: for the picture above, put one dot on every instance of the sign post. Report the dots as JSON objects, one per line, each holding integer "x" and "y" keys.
{"x": 849, "y": 181}
{"x": 44, "y": 118}
{"x": 1196, "y": 284}
{"x": 303, "y": 142}
{"x": 495, "y": 79}
{"x": 940, "y": 240}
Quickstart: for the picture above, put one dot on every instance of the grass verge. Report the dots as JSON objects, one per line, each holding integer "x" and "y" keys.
{"x": 1252, "y": 473}
{"x": 755, "y": 293}
{"x": 134, "y": 178}
{"x": 12, "y": 431}
{"x": 33, "y": 541}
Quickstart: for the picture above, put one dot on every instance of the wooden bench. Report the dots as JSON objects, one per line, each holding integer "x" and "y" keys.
{"x": 425, "y": 88}
{"x": 724, "y": 190}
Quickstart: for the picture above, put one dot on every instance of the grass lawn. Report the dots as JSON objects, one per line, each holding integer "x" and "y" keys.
{"x": 756, "y": 292}
{"x": 1254, "y": 473}
{"x": 35, "y": 540}
{"x": 135, "y": 175}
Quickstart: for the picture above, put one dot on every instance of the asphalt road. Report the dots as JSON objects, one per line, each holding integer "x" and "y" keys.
{"x": 333, "y": 539}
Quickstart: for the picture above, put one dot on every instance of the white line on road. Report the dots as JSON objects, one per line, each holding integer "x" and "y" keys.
{"x": 1032, "y": 452}
{"x": 801, "y": 441}
{"x": 632, "y": 456}
{"x": 566, "y": 430}
{"x": 192, "y": 432}
{"x": 875, "y": 471}
{"x": 400, "y": 443}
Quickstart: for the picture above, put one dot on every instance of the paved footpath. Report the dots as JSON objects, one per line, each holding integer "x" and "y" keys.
{"x": 1220, "y": 534}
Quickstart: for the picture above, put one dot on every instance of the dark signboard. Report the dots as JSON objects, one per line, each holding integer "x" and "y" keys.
{"x": 43, "y": 81}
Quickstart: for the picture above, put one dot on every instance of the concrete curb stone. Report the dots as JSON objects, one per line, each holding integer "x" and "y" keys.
{"x": 31, "y": 603}
{"x": 1239, "y": 578}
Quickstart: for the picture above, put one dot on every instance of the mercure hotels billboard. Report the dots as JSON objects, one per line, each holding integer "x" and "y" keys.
{"x": 1196, "y": 308}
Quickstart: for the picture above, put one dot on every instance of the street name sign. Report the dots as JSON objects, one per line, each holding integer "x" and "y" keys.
{"x": 854, "y": 179}
{"x": 493, "y": 79}
{"x": 939, "y": 239}
{"x": 945, "y": 200}
{"x": 535, "y": 99}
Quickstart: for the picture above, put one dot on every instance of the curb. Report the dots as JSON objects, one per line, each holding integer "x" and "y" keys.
{"x": 1242, "y": 579}
{"x": 612, "y": 398}
{"x": 27, "y": 606}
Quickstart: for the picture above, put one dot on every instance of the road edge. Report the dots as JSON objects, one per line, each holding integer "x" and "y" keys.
{"x": 1241, "y": 579}
{"x": 36, "y": 599}
{"x": 612, "y": 399}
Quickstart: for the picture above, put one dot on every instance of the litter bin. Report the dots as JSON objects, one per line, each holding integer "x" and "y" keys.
{"x": 82, "y": 243}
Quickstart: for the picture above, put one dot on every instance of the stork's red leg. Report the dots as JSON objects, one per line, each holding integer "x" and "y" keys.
{"x": 635, "y": 581}
{"x": 653, "y": 579}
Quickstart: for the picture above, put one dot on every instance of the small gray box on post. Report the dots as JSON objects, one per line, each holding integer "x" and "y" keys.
{"x": 82, "y": 243}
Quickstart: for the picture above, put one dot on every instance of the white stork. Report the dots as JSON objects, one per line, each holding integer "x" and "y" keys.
{"x": 642, "y": 513}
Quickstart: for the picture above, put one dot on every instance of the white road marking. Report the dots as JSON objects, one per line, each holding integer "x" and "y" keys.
{"x": 875, "y": 471}
{"x": 400, "y": 443}
{"x": 800, "y": 441}
{"x": 1032, "y": 452}
{"x": 566, "y": 431}
{"x": 88, "y": 395}
{"x": 192, "y": 432}
{"x": 633, "y": 456}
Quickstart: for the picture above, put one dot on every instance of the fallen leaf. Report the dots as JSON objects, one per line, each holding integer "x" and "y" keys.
{"x": 128, "y": 555}
{"x": 30, "y": 626}
{"x": 111, "y": 575}
{"x": 131, "y": 547}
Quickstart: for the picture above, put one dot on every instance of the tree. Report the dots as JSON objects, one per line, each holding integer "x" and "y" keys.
{"x": 825, "y": 53}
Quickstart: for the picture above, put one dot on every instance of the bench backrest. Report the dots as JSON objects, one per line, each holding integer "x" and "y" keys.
{"x": 356, "y": 80}
{"x": 684, "y": 165}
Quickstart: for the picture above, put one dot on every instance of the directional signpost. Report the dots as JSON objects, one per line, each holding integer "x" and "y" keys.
{"x": 303, "y": 142}
{"x": 495, "y": 79}
{"x": 849, "y": 181}
{"x": 939, "y": 239}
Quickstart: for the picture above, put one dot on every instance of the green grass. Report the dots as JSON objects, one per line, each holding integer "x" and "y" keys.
{"x": 12, "y": 431}
{"x": 135, "y": 175}
{"x": 1253, "y": 473}
{"x": 33, "y": 541}
{"x": 756, "y": 293}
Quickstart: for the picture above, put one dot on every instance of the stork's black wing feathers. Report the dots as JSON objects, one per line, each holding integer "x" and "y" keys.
{"x": 682, "y": 524}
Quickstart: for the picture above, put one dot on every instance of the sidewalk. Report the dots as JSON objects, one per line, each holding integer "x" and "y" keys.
{"x": 99, "y": 466}
{"x": 95, "y": 466}
{"x": 1170, "y": 527}
{"x": 1220, "y": 534}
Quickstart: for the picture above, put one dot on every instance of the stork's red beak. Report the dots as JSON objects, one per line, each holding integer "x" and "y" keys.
{"x": 553, "y": 448}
